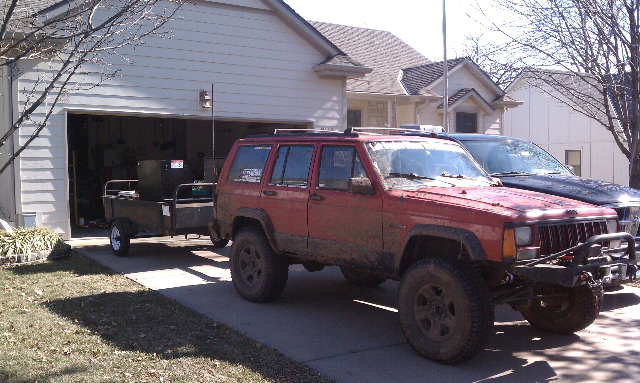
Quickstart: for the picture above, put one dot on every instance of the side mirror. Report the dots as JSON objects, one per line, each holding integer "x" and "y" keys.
{"x": 361, "y": 186}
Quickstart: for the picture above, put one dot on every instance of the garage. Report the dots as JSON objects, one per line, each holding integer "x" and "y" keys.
{"x": 108, "y": 147}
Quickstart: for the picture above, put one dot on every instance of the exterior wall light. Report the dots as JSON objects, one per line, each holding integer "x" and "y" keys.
{"x": 205, "y": 99}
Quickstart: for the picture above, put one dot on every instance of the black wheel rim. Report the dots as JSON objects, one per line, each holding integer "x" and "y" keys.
{"x": 250, "y": 265}
{"x": 435, "y": 311}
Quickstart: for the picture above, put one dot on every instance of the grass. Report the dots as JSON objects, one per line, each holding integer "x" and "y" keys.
{"x": 77, "y": 321}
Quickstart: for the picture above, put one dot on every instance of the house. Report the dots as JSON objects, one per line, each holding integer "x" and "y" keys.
{"x": 570, "y": 136}
{"x": 405, "y": 87}
{"x": 262, "y": 65}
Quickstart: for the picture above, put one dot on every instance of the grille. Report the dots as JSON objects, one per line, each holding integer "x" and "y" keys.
{"x": 558, "y": 237}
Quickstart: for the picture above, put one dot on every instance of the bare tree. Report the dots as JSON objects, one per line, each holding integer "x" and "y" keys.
{"x": 67, "y": 36}
{"x": 586, "y": 55}
{"x": 494, "y": 59}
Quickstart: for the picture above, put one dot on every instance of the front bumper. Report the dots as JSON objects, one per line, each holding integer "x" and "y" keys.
{"x": 613, "y": 266}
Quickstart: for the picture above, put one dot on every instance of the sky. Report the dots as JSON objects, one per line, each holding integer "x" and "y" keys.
{"x": 416, "y": 22}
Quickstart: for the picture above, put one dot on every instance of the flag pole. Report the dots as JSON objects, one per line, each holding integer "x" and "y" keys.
{"x": 445, "y": 69}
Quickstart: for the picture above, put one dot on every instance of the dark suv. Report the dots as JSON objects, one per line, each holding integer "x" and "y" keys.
{"x": 422, "y": 211}
{"x": 524, "y": 165}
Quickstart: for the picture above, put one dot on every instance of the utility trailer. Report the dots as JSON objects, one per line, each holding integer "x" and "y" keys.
{"x": 159, "y": 203}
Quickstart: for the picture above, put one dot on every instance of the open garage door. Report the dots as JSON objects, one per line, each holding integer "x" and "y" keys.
{"x": 107, "y": 147}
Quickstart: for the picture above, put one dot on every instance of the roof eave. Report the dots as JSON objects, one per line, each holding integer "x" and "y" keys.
{"x": 506, "y": 104}
{"x": 338, "y": 71}
{"x": 303, "y": 28}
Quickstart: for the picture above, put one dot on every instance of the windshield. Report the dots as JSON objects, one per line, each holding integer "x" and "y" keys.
{"x": 514, "y": 157}
{"x": 417, "y": 164}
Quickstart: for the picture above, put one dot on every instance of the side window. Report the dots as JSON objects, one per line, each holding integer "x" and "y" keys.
{"x": 337, "y": 165}
{"x": 292, "y": 165}
{"x": 248, "y": 164}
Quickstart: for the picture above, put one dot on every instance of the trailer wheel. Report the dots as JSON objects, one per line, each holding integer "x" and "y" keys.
{"x": 118, "y": 239}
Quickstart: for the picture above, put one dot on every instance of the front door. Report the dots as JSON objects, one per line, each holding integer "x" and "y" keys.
{"x": 343, "y": 227}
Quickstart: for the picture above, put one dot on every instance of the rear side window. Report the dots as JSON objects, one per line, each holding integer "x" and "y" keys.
{"x": 248, "y": 164}
{"x": 292, "y": 165}
{"x": 337, "y": 165}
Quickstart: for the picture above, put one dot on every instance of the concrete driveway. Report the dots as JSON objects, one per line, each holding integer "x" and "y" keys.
{"x": 352, "y": 334}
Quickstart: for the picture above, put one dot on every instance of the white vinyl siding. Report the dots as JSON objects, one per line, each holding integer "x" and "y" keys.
{"x": 260, "y": 70}
{"x": 556, "y": 128}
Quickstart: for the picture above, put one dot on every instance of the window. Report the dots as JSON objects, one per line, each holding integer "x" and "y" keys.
{"x": 337, "y": 165}
{"x": 354, "y": 118}
{"x": 292, "y": 165}
{"x": 572, "y": 158}
{"x": 466, "y": 122}
{"x": 248, "y": 164}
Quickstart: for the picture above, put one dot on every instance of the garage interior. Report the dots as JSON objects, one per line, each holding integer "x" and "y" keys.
{"x": 108, "y": 147}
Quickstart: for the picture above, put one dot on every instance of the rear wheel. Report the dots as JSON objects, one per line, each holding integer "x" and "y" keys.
{"x": 445, "y": 310}
{"x": 362, "y": 278}
{"x": 118, "y": 239}
{"x": 258, "y": 274}
{"x": 564, "y": 310}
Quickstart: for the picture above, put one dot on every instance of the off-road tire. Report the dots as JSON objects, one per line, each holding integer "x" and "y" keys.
{"x": 258, "y": 274}
{"x": 445, "y": 310}
{"x": 118, "y": 240}
{"x": 571, "y": 309}
{"x": 361, "y": 278}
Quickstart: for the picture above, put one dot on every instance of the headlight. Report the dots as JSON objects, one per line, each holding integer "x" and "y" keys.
{"x": 516, "y": 244}
{"x": 523, "y": 235}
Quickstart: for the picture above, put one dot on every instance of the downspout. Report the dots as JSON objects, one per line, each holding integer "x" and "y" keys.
{"x": 344, "y": 103}
{"x": 416, "y": 117}
{"x": 8, "y": 120}
{"x": 390, "y": 114}
{"x": 15, "y": 168}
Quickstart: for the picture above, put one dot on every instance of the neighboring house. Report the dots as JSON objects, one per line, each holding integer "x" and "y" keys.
{"x": 268, "y": 69}
{"x": 406, "y": 87}
{"x": 570, "y": 136}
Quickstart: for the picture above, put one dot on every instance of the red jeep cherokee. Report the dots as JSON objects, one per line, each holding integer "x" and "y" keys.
{"x": 422, "y": 211}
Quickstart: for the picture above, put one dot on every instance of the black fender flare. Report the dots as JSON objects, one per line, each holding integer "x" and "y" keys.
{"x": 265, "y": 221}
{"x": 466, "y": 237}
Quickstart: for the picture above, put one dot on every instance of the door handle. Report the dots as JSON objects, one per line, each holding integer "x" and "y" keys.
{"x": 269, "y": 192}
{"x": 315, "y": 197}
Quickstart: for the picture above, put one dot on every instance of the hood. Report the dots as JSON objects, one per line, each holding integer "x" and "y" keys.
{"x": 569, "y": 186}
{"x": 507, "y": 201}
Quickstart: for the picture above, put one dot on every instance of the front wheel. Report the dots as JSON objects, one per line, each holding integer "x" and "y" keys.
{"x": 258, "y": 274}
{"x": 118, "y": 239}
{"x": 564, "y": 310}
{"x": 445, "y": 310}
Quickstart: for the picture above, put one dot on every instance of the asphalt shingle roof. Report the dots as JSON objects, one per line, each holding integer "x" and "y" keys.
{"x": 418, "y": 77}
{"x": 380, "y": 50}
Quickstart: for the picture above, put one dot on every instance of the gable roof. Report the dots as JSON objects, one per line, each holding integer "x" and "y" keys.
{"x": 416, "y": 79}
{"x": 380, "y": 50}
{"x": 472, "y": 94}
